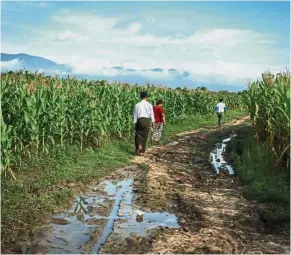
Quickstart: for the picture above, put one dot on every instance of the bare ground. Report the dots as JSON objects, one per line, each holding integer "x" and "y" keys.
{"x": 177, "y": 178}
{"x": 213, "y": 215}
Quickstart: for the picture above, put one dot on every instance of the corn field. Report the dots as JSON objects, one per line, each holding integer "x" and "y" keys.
{"x": 268, "y": 102}
{"x": 40, "y": 112}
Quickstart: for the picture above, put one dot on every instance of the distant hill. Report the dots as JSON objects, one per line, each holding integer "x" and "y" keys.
{"x": 35, "y": 63}
{"x": 31, "y": 63}
{"x": 172, "y": 77}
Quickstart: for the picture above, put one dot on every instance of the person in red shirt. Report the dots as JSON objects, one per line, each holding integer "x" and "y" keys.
{"x": 160, "y": 121}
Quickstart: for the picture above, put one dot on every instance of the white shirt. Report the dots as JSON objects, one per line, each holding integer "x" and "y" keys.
{"x": 220, "y": 107}
{"x": 143, "y": 109}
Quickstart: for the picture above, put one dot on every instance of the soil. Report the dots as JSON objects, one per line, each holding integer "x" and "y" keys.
{"x": 176, "y": 204}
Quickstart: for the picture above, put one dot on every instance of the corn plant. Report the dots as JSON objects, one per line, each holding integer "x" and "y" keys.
{"x": 268, "y": 102}
{"x": 39, "y": 112}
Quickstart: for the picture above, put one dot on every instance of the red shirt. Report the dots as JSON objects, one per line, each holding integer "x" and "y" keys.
{"x": 158, "y": 113}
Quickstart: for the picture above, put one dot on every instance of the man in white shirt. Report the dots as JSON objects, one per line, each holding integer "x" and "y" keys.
{"x": 143, "y": 118}
{"x": 220, "y": 109}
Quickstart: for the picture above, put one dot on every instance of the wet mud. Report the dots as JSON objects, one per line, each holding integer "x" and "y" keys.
{"x": 108, "y": 207}
{"x": 186, "y": 200}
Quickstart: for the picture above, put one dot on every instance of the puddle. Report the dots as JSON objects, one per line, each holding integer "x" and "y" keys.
{"x": 125, "y": 188}
{"x": 87, "y": 225}
{"x": 126, "y": 219}
{"x": 216, "y": 157}
{"x": 140, "y": 224}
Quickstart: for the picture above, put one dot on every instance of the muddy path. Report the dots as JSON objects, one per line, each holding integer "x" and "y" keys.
{"x": 180, "y": 198}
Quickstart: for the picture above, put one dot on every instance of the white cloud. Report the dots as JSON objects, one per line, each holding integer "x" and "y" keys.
{"x": 68, "y": 35}
{"x": 84, "y": 21}
{"x": 223, "y": 37}
{"x": 42, "y": 4}
{"x": 12, "y": 65}
{"x": 160, "y": 76}
{"x": 135, "y": 27}
{"x": 229, "y": 73}
{"x": 92, "y": 67}
{"x": 91, "y": 44}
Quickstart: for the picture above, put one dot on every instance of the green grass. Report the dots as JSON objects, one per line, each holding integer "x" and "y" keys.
{"x": 38, "y": 191}
{"x": 144, "y": 166}
{"x": 262, "y": 182}
{"x": 187, "y": 123}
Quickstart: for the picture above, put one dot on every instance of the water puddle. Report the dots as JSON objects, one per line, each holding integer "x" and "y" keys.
{"x": 216, "y": 157}
{"x": 125, "y": 188}
{"x": 140, "y": 223}
{"x": 87, "y": 225}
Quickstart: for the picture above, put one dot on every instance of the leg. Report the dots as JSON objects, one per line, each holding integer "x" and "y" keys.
{"x": 136, "y": 141}
{"x": 154, "y": 134}
{"x": 145, "y": 125}
{"x": 138, "y": 137}
{"x": 160, "y": 130}
{"x": 146, "y": 134}
{"x": 219, "y": 119}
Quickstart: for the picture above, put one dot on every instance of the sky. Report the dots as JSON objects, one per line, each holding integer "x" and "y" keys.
{"x": 220, "y": 45}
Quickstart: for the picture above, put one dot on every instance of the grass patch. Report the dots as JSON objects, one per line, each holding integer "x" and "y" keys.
{"x": 187, "y": 123}
{"x": 36, "y": 193}
{"x": 262, "y": 182}
{"x": 144, "y": 166}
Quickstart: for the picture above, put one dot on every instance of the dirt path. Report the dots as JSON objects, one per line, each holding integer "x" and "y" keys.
{"x": 170, "y": 201}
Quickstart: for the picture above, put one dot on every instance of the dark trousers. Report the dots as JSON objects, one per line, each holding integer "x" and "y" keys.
{"x": 220, "y": 117}
{"x": 142, "y": 129}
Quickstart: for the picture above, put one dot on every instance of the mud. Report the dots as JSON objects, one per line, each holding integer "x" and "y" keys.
{"x": 176, "y": 204}
{"x": 107, "y": 207}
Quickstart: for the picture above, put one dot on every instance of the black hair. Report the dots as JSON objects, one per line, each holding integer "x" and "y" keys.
{"x": 220, "y": 99}
{"x": 143, "y": 94}
{"x": 159, "y": 101}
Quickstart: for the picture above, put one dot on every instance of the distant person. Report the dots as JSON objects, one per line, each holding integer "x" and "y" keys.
{"x": 143, "y": 118}
{"x": 220, "y": 110}
{"x": 160, "y": 121}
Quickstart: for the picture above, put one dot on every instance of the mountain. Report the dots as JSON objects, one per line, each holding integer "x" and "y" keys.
{"x": 159, "y": 70}
{"x": 31, "y": 63}
{"x": 168, "y": 77}
{"x": 11, "y": 62}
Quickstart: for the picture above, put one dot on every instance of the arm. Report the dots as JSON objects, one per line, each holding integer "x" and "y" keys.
{"x": 164, "y": 119}
{"x": 135, "y": 114}
{"x": 163, "y": 116}
{"x": 225, "y": 108}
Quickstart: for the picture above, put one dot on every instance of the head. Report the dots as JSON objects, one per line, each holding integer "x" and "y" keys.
{"x": 159, "y": 102}
{"x": 220, "y": 100}
{"x": 143, "y": 95}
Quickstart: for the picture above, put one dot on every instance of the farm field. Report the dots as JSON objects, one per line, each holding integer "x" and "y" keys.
{"x": 66, "y": 142}
{"x": 39, "y": 113}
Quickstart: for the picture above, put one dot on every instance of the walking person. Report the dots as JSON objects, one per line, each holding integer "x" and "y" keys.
{"x": 143, "y": 118}
{"x": 220, "y": 110}
{"x": 160, "y": 121}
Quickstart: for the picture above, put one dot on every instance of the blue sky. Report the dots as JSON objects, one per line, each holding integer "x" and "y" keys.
{"x": 221, "y": 44}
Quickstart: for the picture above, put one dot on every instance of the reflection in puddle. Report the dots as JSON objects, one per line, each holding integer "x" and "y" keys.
{"x": 124, "y": 187}
{"x": 140, "y": 224}
{"x": 125, "y": 220}
{"x": 86, "y": 226}
{"x": 216, "y": 157}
